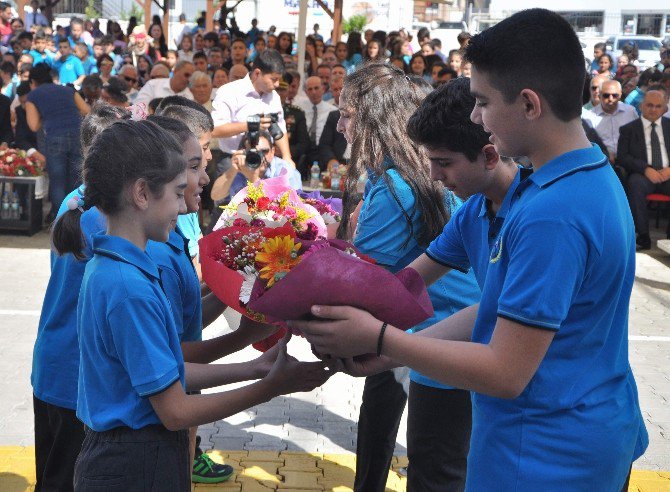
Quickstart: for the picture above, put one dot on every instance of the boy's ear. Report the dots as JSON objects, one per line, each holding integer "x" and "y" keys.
{"x": 491, "y": 156}
{"x": 532, "y": 104}
{"x": 139, "y": 194}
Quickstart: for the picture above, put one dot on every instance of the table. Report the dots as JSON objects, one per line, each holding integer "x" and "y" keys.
{"x": 30, "y": 220}
{"x": 326, "y": 193}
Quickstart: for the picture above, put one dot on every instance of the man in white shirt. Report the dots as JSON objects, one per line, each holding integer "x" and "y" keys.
{"x": 129, "y": 73}
{"x": 644, "y": 151}
{"x": 610, "y": 115}
{"x": 252, "y": 95}
{"x": 316, "y": 113}
{"x": 175, "y": 86}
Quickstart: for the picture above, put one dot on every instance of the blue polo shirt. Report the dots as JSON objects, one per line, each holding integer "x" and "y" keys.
{"x": 468, "y": 237}
{"x": 189, "y": 227}
{"x": 41, "y": 57}
{"x": 180, "y": 283}
{"x": 127, "y": 336}
{"x": 564, "y": 261}
{"x": 69, "y": 69}
{"x": 56, "y": 353}
{"x": 384, "y": 234}
{"x": 90, "y": 65}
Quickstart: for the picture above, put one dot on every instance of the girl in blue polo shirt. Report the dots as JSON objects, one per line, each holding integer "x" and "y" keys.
{"x": 132, "y": 375}
{"x": 402, "y": 211}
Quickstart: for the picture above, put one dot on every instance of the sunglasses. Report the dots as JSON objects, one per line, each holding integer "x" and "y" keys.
{"x": 129, "y": 79}
{"x": 607, "y": 96}
{"x": 594, "y": 88}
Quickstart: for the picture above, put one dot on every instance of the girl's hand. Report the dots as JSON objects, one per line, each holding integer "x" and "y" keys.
{"x": 290, "y": 376}
{"x": 345, "y": 331}
{"x": 367, "y": 365}
{"x": 263, "y": 365}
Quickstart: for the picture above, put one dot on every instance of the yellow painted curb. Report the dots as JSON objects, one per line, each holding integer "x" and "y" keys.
{"x": 286, "y": 471}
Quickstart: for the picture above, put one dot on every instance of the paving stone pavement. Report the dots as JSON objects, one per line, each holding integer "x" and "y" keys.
{"x": 324, "y": 420}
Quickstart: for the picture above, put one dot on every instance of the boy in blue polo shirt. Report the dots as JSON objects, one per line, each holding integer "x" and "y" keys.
{"x": 70, "y": 69}
{"x": 555, "y": 403}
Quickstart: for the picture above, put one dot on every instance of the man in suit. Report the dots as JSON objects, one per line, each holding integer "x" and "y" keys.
{"x": 644, "y": 151}
{"x": 333, "y": 146}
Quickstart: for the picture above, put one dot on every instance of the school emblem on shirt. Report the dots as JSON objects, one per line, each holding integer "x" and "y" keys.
{"x": 496, "y": 250}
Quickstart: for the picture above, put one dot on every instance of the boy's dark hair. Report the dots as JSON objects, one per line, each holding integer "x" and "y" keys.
{"x": 102, "y": 116}
{"x": 63, "y": 41}
{"x": 77, "y": 20}
{"x": 25, "y": 35}
{"x": 4, "y": 6}
{"x": 116, "y": 88}
{"x": 448, "y": 71}
{"x": 463, "y": 36}
{"x": 436, "y": 43}
{"x": 533, "y": 49}
{"x": 212, "y": 36}
{"x": 39, "y": 36}
{"x": 443, "y": 120}
{"x": 649, "y": 76}
{"x": 7, "y": 67}
{"x": 199, "y": 54}
{"x": 192, "y": 114}
{"x": 215, "y": 49}
{"x": 111, "y": 164}
{"x": 153, "y": 104}
{"x": 600, "y": 46}
{"x": 92, "y": 81}
{"x": 41, "y": 74}
{"x": 269, "y": 61}
{"x": 239, "y": 40}
{"x": 23, "y": 88}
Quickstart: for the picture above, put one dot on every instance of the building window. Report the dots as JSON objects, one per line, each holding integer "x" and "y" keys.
{"x": 585, "y": 21}
{"x": 649, "y": 24}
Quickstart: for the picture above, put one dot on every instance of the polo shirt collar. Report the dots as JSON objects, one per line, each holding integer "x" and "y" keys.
{"x": 569, "y": 163}
{"x": 504, "y": 206}
{"x": 120, "y": 249}
{"x": 177, "y": 240}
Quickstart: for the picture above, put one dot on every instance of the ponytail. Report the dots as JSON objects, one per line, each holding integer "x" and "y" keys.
{"x": 66, "y": 235}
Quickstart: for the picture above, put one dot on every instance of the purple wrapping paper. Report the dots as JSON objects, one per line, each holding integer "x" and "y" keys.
{"x": 335, "y": 203}
{"x": 332, "y": 277}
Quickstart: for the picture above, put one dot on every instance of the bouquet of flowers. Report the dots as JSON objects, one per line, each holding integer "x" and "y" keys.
{"x": 273, "y": 203}
{"x": 330, "y": 209}
{"x": 15, "y": 162}
{"x": 272, "y": 275}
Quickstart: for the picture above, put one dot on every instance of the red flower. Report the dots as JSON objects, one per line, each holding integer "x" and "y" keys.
{"x": 262, "y": 203}
{"x": 240, "y": 222}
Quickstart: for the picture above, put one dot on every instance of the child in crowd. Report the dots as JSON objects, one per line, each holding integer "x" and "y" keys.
{"x": 69, "y": 67}
{"x": 87, "y": 60}
{"x": 185, "y": 48}
{"x": 545, "y": 352}
{"x": 39, "y": 52}
{"x": 121, "y": 399}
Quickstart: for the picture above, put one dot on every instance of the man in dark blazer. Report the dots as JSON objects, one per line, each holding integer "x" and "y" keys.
{"x": 644, "y": 151}
{"x": 332, "y": 146}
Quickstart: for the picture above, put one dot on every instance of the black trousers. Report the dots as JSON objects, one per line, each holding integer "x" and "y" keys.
{"x": 638, "y": 188}
{"x": 58, "y": 438}
{"x": 378, "y": 421}
{"x": 439, "y": 423}
{"x": 438, "y": 435}
{"x": 151, "y": 459}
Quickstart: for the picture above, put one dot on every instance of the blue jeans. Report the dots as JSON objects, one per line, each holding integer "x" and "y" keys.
{"x": 64, "y": 159}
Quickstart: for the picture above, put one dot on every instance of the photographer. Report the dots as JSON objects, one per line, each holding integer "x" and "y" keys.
{"x": 252, "y": 164}
{"x": 254, "y": 95}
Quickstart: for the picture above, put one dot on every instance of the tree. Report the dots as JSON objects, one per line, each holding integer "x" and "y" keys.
{"x": 225, "y": 10}
{"x": 355, "y": 23}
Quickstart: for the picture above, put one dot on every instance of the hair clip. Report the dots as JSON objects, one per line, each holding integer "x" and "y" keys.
{"x": 76, "y": 202}
{"x": 407, "y": 78}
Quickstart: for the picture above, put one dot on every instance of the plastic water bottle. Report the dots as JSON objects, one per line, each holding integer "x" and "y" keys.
{"x": 335, "y": 178}
{"x": 15, "y": 207}
{"x": 4, "y": 214}
{"x": 315, "y": 175}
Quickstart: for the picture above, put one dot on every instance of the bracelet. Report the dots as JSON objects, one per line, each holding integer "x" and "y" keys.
{"x": 380, "y": 340}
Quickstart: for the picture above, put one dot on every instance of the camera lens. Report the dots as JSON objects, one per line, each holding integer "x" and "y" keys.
{"x": 253, "y": 158}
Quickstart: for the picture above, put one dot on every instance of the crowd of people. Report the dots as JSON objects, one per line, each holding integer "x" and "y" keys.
{"x": 519, "y": 380}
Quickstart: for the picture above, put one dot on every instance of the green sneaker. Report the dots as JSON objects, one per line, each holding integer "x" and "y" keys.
{"x": 207, "y": 471}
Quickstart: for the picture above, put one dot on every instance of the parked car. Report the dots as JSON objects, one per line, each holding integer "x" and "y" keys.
{"x": 649, "y": 48}
{"x": 447, "y": 32}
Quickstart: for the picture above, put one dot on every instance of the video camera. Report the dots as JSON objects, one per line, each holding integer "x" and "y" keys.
{"x": 254, "y": 158}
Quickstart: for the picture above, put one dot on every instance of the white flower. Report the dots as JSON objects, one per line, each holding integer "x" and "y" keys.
{"x": 329, "y": 218}
{"x": 10, "y": 159}
{"x": 250, "y": 275}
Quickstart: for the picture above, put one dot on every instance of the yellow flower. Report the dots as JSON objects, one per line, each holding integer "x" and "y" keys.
{"x": 283, "y": 200}
{"x": 278, "y": 256}
{"x": 255, "y": 191}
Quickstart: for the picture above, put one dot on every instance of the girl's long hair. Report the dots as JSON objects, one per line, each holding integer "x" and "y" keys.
{"x": 382, "y": 99}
